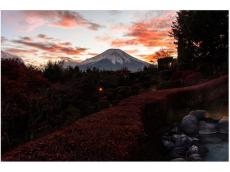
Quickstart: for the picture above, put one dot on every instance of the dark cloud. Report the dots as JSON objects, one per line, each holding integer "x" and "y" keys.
{"x": 53, "y": 47}
{"x": 26, "y": 38}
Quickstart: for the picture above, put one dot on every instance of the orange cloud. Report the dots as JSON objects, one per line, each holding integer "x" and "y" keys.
{"x": 159, "y": 54}
{"x": 151, "y": 33}
{"x": 63, "y": 19}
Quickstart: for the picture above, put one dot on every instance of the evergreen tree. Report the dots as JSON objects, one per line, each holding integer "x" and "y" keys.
{"x": 202, "y": 39}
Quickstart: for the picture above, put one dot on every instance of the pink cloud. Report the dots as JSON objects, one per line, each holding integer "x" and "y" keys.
{"x": 18, "y": 51}
{"x": 30, "y": 20}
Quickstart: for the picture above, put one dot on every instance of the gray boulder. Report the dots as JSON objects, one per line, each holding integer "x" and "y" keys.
{"x": 180, "y": 140}
{"x": 193, "y": 150}
{"x": 190, "y": 123}
{"x": 194, "y": 140}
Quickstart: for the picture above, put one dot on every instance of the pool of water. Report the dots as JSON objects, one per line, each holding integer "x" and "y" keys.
{"x": 217, "y": 145}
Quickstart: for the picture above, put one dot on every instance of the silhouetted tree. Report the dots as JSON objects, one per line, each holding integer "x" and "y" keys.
{"x": 202, "y": 39}
{"x": 53, "y": 71}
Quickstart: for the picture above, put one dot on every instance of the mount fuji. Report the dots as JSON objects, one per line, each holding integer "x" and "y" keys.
{"x": 113, "y": 59}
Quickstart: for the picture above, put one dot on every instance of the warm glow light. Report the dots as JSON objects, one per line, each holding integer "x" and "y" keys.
{"x": 100, "y": 89}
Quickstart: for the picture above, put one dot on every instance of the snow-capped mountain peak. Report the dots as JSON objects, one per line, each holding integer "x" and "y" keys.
{"x": 113, "y": 59}
{"x": 113, "y": 55}
{"x": 116, "y": 56}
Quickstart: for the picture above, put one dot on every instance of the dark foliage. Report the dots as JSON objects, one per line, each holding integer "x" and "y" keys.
{"x": 35, "y": 102}
{"x": 202, "y": 40}
{"x": 53, "y": 71}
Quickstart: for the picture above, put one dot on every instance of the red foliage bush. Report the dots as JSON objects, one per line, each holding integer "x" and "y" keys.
{"x": 114, "y": 133}
{"x": 187, "y": 77}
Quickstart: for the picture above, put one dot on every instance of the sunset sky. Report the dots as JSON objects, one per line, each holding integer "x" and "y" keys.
{"x": 39, "y": 36}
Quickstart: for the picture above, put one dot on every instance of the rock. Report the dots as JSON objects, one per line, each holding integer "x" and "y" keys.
{"x": 178, "y": 159}
{"x": 190, "y": 123}
{"x": 193, "y": 150}
{"x": 176, "y": 137}
{"x": 178, "y": 152}
{"x": 195, "y": 157}
{"x": 223, "y": 125}
{"x": 180, "y": 140}
{"x": 194, "y": 140}
{"x": 207, "y": 127}
{"x": 169, "y": 145}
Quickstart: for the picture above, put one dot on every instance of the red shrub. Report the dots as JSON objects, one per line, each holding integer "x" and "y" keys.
{"x": 187, "y": 77}
{"x": 114, "y": 133}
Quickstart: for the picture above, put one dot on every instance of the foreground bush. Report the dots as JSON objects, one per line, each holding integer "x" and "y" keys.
{"x": 37, "y": 101}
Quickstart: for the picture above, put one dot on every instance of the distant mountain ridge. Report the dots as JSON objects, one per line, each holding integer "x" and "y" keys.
{"x": 113, "y": 59}
{"x": 6, "y": 55}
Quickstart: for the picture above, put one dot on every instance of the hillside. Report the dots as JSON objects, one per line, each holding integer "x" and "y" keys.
{"x": 117, "y": 133}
